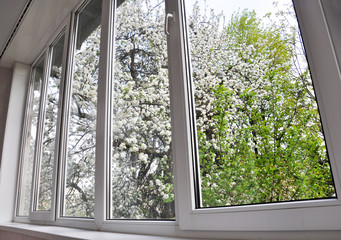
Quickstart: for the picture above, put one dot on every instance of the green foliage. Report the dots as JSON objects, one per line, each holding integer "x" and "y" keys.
{"x": 258, "y": 129}
{"x": 259, "y": 132}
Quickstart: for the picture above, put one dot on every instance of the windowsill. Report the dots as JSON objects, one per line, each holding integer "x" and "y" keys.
{"x": 62, "y": 233}
{"x": 65, "y": 233}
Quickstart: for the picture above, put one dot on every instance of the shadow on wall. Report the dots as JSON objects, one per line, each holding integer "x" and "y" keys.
{"x": 5, "y": 89}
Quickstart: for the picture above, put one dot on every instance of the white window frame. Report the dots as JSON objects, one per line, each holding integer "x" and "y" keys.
{"x": 190, "y": 221}
{"x": 288, "y": 216}
{"x": 29, "y": 97}
{"x": 61, "y": 220}
{"x": 50, "y": 215}
{"x": 37, "y": 215}
{"x": 103, "y": 140}
{"x": 34, "y": 214}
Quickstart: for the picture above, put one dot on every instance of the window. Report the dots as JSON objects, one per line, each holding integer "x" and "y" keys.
{"x": 29, "y": 143}
{"x": 37, "y": 188}
{"x": 49, "y": 144}
{"x": 142, "y": 165}
{"x": 79, "y": 168}
{"x": 154, "y": 112}
{"x": 260, "y": 138}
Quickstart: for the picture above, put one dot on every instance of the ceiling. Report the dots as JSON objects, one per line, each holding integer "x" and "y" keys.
{"x": 43, "y": 20}
{"x": 10, "y": 12}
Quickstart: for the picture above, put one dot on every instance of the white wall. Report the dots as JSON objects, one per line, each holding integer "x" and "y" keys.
{"x": 12, "y": 141}
{"x": 4, "y": 235}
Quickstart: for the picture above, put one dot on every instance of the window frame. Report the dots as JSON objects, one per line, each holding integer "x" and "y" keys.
{"x": 288, "y": 216}
{"x": 28, "y": 105}
{"x": 34, "y": 214}
{"x": 103, "y": 139}
{"x": 71, "y": 37}
{"x": 50, "y": 215}
{"x": 38, "y": 215}
{"x": 73, "y": 26}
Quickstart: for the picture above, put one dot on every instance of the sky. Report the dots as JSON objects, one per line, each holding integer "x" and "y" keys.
{"x": 229, "y": 6}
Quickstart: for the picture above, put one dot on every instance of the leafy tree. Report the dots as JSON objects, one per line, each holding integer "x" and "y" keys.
{"x": 259, "y": 132}
{"x": 258, "y": 129}
{"x": 142, "y": 175}
{"x": 80, "y": 174}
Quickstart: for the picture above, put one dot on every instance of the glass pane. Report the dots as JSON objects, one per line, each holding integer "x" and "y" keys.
{"x": 142, "y": 177}
{"x": 260, "y": 138}
{"x": 80, "y": 165}
{"x": 30, "y": 141}
{"x": 50, "y": 123}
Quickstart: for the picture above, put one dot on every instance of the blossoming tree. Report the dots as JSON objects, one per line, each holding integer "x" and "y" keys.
{"x": 258, "y": 129}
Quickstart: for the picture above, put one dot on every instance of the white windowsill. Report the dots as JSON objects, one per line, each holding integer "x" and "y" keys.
{"x": 62, "y": 233}
{"x": 65, "y": 233}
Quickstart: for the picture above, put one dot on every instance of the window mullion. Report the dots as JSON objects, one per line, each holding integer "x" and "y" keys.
{"x": 103, "y": 126}
{"x": 55, "y": 178}
{"x": 180, "y": 115}
{"x": 65, "y": 105}
{"x": 62, "y": 125}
